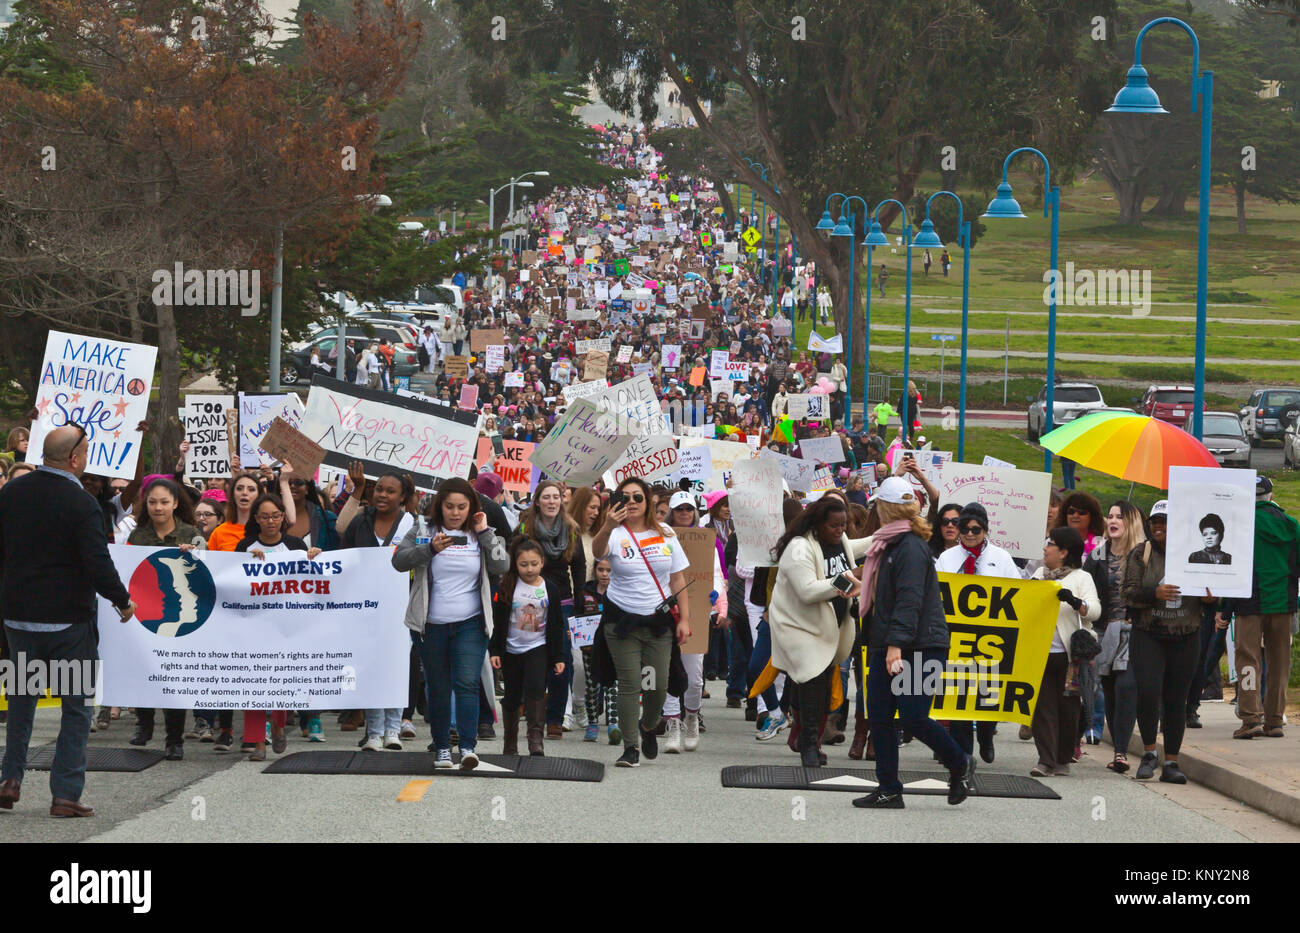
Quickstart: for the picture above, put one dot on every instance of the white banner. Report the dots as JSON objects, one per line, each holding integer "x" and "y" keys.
{"x": 102, "y": 385}
{"x": 1211, "y": 533}
{"x": 208, "y": 436}
{"x": 820, "y": 345}
{"x": 1016, "y": 501}
{"x": 222, "y": 630}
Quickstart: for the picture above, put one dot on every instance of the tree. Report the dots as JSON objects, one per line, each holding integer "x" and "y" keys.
{"x": 845, "y": 95}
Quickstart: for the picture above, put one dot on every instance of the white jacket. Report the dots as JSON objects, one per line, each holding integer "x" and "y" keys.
{"x": 1079, "y": 582}
{"x": 992, "y": 562}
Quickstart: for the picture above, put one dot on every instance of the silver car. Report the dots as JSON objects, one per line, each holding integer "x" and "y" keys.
{"x": 1222, "y": 435}
{"x": 1070, "y": 400}
{"x": 1291, "y": 445}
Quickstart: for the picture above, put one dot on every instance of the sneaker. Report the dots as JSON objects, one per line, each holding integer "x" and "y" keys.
{"x": 673, "y": 735}
{"x": 206, "y": 734}
{"x": 279, "y": 741}
{"x": 630, "y": 758}
{"x": 751, "y": 712}
{"x": 443, "y": 760}
{"x": 314, "y": 731}
{"x": 691, "y": 732}
{"x": 408, "y": 729}
{"x": 569, "y": 723}
{"x": 225, "y": 742}
{"x": 1041, "y": 770}
{"x": 1274, "y": 732}
{"x": 392, "y": 741}
{"x": 649, "y": 744}
{"x": 1172, "y": 774}
{"x": 960, "y": 783}
{"x": 1193, "y": 721}
{"x": 592, "y": 733}
{"x": 775, "y": 723}
{"x": 616, "y": 736}
{"x": 192, "y": 732}
{"x": 103, "y": 718}
{"x": 1061, "y": 771}
{"x": 877, "y": 800}
{"x": 1248, "y": 730}
{"x": 374, "y": 743}
{"x": 468, "y": 760}
{"x": 1147, "y": 769}
{"x": 246, "y": 747}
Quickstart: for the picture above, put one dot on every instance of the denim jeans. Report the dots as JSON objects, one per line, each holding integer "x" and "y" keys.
{"x": 739, "y": 649}
{"x": 559, "y": 685}
{"x": 1067, "y": 473}
{"x": 68, "y": 772}
{"x": 758, "y": 659}
{"x": 452, "y": 656}
{"x": 380, "y": 722}
{"x": 913, "y": 715}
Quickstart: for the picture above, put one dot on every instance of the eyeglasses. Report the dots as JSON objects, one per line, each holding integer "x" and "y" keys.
{"x": 971, "y": 530}
{"x": 270, "y": 516}
{"x": 1075, "y": 510}
{"x": 297, "y": 482}
{"x": 205, "y": 514}
{"x": 947, "y": 521}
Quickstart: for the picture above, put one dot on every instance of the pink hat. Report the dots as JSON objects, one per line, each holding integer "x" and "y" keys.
{"x": 711, "y": 498}
{"x": 216, "y": 495}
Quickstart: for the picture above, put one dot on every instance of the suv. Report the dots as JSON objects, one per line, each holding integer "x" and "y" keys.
{"x": 1069, "y": 401}
{"x": 1266, "y": 414}
{"x": 400, "y": 335}
{"x": 1172, "y": 404}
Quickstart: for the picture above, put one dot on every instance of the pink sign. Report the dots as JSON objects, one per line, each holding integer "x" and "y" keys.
{"x": 468, "y": 397}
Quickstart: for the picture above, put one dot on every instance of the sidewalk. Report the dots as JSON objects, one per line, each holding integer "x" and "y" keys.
{"x": 1261, "y": 773}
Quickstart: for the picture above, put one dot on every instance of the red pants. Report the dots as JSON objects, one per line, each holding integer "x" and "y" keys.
{"x": 255, "y": 723}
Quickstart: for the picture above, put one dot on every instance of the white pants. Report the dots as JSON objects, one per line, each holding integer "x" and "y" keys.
{"x": 694, "y": 695}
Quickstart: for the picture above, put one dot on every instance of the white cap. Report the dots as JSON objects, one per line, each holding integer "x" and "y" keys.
{"x": 680, "y": 499}
{"x": 1161, "y": 508}
{"x": 896, "y": 490}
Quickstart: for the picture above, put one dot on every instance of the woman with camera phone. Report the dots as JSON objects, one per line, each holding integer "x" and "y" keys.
{"x": 647, "y": 567}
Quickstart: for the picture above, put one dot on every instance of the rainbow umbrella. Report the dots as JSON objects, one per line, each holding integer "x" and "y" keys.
{"x": 1128, "y": 445}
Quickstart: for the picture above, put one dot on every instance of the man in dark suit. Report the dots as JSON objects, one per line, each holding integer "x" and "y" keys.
{"x": 55, "y": 557}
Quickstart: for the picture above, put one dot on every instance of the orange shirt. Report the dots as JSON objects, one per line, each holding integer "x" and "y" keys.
{"x": 225, "y": 537}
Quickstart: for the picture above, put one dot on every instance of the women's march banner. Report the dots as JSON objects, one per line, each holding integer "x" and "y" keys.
{"x": 224, "y": 630}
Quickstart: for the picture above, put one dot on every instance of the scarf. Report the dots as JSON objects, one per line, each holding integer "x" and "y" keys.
{"x": 555, "y": 539}
{"x": 875, "y": 550}
{"x": 971, "y": 555}
{"x": 1059, "y": 574}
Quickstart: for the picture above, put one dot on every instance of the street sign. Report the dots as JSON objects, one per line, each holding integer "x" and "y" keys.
{"x": 751, "y": 236}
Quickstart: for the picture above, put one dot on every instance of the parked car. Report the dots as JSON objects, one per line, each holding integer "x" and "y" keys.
{"x": 1222, "y": 435}
{"x": 1291, "y": 444}
{"x": 297, "y": 364}
{"x": 1265, "y": 414}
{"x": 1069, "y": 401}
{"x": 1172, "y": 404}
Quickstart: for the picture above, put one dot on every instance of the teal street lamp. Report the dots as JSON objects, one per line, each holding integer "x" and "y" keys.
{"x": 1137, "y": 96}
{"x": 1004, "y": 206}
{"x": 928, "y": 239}
{"x": 877, "y": 238}
{"x": 845, "y": 228}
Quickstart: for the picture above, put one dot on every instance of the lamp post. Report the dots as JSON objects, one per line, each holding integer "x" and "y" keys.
{"x": 847, "y": 227}
{"x": 762, "y": 173}
{"x": 1137, "y": 96}
{"x": 1004, "y": 205}
{"x": 928, "y": 239}
{"x": 510, "y": 217}
{"x": 877, "y": 238}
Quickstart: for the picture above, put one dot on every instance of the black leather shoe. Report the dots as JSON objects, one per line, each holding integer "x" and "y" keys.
{"x": 10, "y": 791}
{"x": 986, "y": 752}
{"x": 961, "y": 782}
{"x": 1172, "y": 774}
{"x": 175, "y": 753}
{"x": 1193, "y": 721}
{"x": 141, "y": 736}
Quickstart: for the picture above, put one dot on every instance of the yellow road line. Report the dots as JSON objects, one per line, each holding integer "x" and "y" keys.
{"x": 414, "y": 791}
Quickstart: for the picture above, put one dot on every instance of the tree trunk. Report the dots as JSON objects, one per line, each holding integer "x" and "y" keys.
{"x": 1239, "y": 192}
{"x": 166, "y": 427}
{"x": 1172, "y": 201}
{"x": 1130, "y": 196}
{"x": 728, "y": 206}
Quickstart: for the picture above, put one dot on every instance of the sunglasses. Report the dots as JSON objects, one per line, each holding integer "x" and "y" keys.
{"x": 635, "y": 497}
{"x": 971, "y": 530}
{"x": 947, "y": 521}
{"x": 1074, "y": 510}
{"x": 297, "y": 482}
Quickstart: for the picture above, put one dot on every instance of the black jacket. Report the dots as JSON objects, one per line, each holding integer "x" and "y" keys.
{"x": 361, "y": 530}
{"x": 908, "y": 611}
{"x": 555, "y": 624}
{"x": 54, "y": 551}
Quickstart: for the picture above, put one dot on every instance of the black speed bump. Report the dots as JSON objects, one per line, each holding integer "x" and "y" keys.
{"x": 786, "y": 777}
{"x": 101, "y": 759}
{"x": 420, "y": 764}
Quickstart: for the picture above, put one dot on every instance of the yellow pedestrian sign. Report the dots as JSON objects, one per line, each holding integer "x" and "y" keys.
{"x": 751, "y": 236}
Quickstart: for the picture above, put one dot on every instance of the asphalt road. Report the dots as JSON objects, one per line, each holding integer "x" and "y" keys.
{"x": 210, "y": 797}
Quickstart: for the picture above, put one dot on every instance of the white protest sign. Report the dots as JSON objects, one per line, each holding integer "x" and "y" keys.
{"x": 648, "y": 457}
{"x": 1210, "y": 543}
{"x": 582, "y": 445}
{"x": 798, "y": 473}
{"x": 586, "y": 346}
{"x": 1016, "y": 501}
{"x": 583, "y": 390}
{"x": 796, "y": 406}
{"x": 737, "y": 370}
{"x": 718, "y": 363}
{"x": 256, "y": 412}
{"x": 672, "y": 356}
{"x": 514, "y": 380}
{"x": 583, "y": 629}
{"x": 822, "y": 449}
{"x": 995, "y": 462}
{"x": 757, "y": 515}
{"x": 218, "y": 629}
{"x": 102, "y": 385}
{"x": 207, "y": 434}
{"x": 496, "y": 358}
{"x": 694, "y": 463}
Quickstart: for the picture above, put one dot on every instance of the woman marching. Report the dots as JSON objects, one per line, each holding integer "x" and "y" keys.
{"x": 812, "y": 631}
{"x": 647, "y": 566}
{"x": 528, "y": 628}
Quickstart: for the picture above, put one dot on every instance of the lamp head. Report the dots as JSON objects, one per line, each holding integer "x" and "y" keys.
{"x": 523, "y": 184}
{"x": 876, "y": 237}
{"x": 842, "y": 228}
{"x": 927, "y": 238}
{"x": 825, "y": 225}
{"x": 543, "y": 174}
{"x": 1004, "y": 205}
{"x": 1137, "y": 95}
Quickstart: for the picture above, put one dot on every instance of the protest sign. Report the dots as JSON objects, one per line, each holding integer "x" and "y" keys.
{"x": 384, "y": 431}
{"x": 649, "y": 457}
{"x": 999, "y": 635}
{"x": 737, "y": 370}
{"x": 284, "y": 442}
{"x": 102, "y": 385}
{"x": 1210, "y": 542}
{"x": 583, "y": 629}
{"x": 822, "y": 449}
{"x": 694, "y": 463}
{"x": 468, "y": 397}
{"x": 582, "y": 445}
{"x": 719, "y": 387}
{"x": 1016, "y": 501}
{"x": 995, "y": 462}
{"x": 514, "y": 380}
{"x": 583, "y": 390}
{"x": 597, "y": 365}
{"x": 232, "y": 430}
{"x": 671, "y": 356}
{"x": 586, "y": 346}
{"x": 256, "y": 412}
{"x": 698, "y": 375}
{"x": 819, "y": 344}
{"x": 797, "y": 473}
{"x": 512, "y": 464}
{"x": 816, "y": 407}
{"x": 822, "y": 480}
{"x": 495, "y": 358}
{"x": 781, "y": 327}
{"x": 796, "y": 406}
{"x": 216, "y": 629}
{"x": 457, "y": 367}
{"x": 702, "y": 552}
{"x": 642, "y": 369}
{"x": 583, "y": 314}
{"x": 757, "y": 516}
{"x": 207, "y": 434}
{"x": 625, "y": 353}
{"x": 481, "y": 338}
{"x": 718, "y": 363}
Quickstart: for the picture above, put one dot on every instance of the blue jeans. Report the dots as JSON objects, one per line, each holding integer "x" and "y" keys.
{"x": 559, "y": 685}
{"x": 913, "y": 715}
{"x": 1067, "y": 473}
{"x": 738, "y": 664}
{"x": 452, "y": 657}
{"x": 68, "y": 772}
{"x": 758, "y": 659}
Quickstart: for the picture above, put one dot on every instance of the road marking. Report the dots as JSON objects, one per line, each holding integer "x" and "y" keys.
{"x": 414, "y": 791}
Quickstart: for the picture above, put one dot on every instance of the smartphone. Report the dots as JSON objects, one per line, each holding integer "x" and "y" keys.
{"x": 843, "y": 583}
{"x": 619, "y": 498}
{"x": 498, "y": 444}
{"x": 458, "y": 539}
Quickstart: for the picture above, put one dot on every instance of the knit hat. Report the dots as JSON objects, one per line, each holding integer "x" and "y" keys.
{"x": 215, "y": 495}
{"x": 488, "y": 484}
{"x": 975, "y": 512}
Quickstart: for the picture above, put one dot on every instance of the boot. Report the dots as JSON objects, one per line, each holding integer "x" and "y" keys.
{"x": 810, "y": 747}
{"x": 691, "y": 740}
{"x": 536, "y": 712}
{"x": 673, "y": 735}
{"x": 834, "y": 733}
{"x": 861, "y": 735}
{"x": 792, "y": 739}
{"x": 510, "y": 723}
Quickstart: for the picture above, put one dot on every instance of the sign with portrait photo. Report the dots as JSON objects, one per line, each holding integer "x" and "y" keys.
{"x": 1210, "y": 542}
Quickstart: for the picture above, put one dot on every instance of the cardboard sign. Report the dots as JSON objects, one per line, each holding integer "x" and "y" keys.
{"x": 208, "y": 435}
{"x": 512, "y": 464}
{"x": 284, "y": 442}
{"x": 482, "y": 338}
{"x": 102, "y": 385}
{"x": 582, "y": 445}
{"x": 1016, "y": 501}
{"x": 456, "y": 367}
{"x": 597, "y": 365}
{"x": 232, "y": 431}
{"x": 702, "y": 552}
